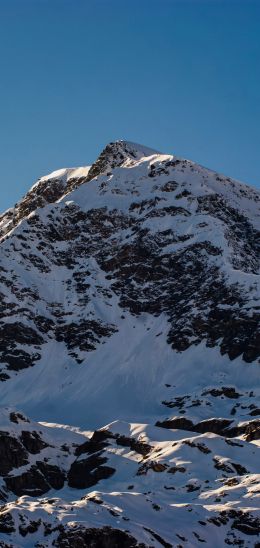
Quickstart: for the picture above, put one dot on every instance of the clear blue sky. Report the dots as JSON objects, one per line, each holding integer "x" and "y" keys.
{"x": 182, "y": 76}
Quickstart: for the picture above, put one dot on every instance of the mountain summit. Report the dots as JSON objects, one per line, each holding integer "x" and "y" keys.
{"x": 130, "y": 298}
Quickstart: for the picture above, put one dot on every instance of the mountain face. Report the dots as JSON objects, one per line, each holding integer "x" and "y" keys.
{"x": 130, "y": 299}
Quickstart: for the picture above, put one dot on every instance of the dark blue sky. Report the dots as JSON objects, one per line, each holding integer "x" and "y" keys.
{"x": 182, "y": 76}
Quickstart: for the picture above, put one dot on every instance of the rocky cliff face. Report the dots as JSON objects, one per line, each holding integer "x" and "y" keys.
{"x": 130, "y": 296}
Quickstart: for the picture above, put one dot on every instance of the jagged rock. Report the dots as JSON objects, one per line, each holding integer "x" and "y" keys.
{"x": 7, "y": 525}
{"x": 216, "y": 426}
{"x": 12, "y": 453}
{"x": 89, "y": 471}
{"x": 31, "y": 528}
{"x": 39, "y": 479}
{"x": 98, "y": 441}
{"x": 17, "y": 417}
{"x": 227, "y": 391}
{"x": 107, "y": 537}
{"x": 30, "y": 483}
{"x": 32, "y": 441}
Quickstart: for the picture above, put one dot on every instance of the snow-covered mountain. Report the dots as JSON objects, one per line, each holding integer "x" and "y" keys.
{"x": 130, "y": 298}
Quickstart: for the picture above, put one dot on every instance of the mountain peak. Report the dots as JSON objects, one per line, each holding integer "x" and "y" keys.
{"x": 116, "y": 153}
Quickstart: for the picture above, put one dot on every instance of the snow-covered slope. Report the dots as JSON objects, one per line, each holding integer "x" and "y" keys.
{"x": 130, "y": 296}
